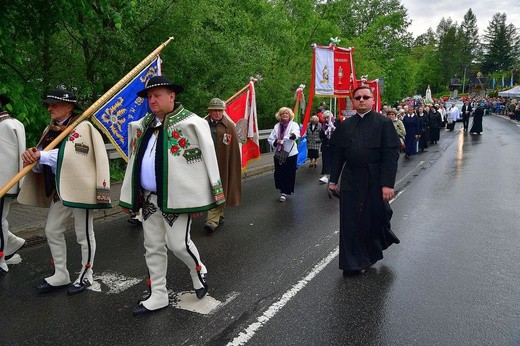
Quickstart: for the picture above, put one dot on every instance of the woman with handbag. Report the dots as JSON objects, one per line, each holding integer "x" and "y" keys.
{"x": 283, "y": 140}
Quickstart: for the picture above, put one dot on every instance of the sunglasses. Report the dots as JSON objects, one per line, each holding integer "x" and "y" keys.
{"x": 364, "y": 97}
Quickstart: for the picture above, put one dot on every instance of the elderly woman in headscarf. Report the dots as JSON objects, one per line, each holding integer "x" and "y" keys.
{"x": 283, "y": 140}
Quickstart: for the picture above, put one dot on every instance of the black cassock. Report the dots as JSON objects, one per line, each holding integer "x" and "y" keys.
{"x": 365, "y": 156}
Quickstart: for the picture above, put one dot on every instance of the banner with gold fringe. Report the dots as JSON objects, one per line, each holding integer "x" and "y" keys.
{"x": 113, "y": 117}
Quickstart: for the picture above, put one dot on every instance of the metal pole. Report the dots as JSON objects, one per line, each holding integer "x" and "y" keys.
{"x": 464, "y": 79}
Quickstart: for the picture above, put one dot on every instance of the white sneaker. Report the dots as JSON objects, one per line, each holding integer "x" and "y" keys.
{"x": 283, "y": 197}
{"x": 324, "y": 179}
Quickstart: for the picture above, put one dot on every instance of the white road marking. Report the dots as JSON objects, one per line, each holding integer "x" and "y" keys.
{"x": 116, "y": 283}
{"x": 411, "y": 172}
{"x": 187, "y": 300}
{"x": 250, "y": 331}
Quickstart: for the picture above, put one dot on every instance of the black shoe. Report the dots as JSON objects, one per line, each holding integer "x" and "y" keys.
{"x": 140, "y": 310}
{"x": 208, "y": 228}
{"x": 135, "y": 222}
{"x": 350, "y": 273}
{"x": 78, "y": 287}
{"x": 201, "y": 292}
{"x": 45, "y": 287}
{"x": 2, "y": 271}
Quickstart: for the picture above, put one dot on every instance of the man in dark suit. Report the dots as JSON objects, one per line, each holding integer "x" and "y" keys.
{"x": 466, "y": 112}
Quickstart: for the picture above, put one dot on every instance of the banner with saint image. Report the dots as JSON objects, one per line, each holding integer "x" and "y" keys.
{"x": 333, "y": 71}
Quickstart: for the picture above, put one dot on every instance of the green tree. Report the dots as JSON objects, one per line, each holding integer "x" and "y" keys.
{"x": 501, "y": 45}
{"x": 425, "y": 62}
{"x": 470, "y": 40}
{"x": 449, "y": 49}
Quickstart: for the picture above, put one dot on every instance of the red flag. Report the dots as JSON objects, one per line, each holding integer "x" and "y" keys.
{"x": 374, "y": 86}
{"x": 242, "y": 110}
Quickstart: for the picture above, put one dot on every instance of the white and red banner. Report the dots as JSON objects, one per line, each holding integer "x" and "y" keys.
{"x": 333, "y": 75}
{"x": 334, "y": 72}
{"x": 242, "y": 110}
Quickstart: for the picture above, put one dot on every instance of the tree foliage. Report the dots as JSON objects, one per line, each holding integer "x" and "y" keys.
{"x": 501, "y": 45}
{"x": 219, "y": 44}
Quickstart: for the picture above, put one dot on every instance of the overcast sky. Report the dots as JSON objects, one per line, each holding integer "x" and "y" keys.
{"x": 428, "y": 13}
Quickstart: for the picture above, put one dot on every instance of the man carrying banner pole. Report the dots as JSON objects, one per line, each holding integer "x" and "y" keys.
{"x": 227, "y": 148}
{"x": 71, "y": 181}
{"x": 90, "y": 110}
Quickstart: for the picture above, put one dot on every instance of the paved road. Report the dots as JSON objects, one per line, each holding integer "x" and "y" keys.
{"x": 453, "y": 280}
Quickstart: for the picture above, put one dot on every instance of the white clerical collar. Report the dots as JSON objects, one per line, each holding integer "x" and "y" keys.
{"x": 363, "y": 114}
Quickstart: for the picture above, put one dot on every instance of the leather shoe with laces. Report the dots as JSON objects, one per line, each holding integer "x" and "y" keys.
{"x": 45, "y": 287}
{"x": 78, "y": 287}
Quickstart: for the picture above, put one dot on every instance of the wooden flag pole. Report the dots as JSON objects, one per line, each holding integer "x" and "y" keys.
{"x": 238, "y": 93}
{"x": 91, "y": 110}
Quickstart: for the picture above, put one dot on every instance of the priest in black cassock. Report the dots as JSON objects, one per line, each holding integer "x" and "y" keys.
{"x": 365, "y": 165}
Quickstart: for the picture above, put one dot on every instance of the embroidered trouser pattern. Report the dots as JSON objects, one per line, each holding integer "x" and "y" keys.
{"x": 55, "y": 229}
{"x": 161, "y": 234}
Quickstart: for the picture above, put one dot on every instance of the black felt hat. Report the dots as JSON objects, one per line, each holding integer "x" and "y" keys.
{"x": 162, "y": 82}
{"x": 60, "y": 95}
{"x": 4, "y": 100}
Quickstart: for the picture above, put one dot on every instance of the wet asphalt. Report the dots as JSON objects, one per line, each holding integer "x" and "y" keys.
{"x": 453, "y": 280}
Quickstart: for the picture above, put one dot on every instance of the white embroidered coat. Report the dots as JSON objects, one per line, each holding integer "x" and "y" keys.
{"x": 82, "y": 174}
{"x": 12, "y": 145}
{"x": 190, "y": 176}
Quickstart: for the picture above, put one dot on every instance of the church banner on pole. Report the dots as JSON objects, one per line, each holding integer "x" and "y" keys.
{"x": 333, "y": 75}
{"x": 241, "y": 109}
{"x": 376, "y": 90}
{"x": 124, "y": 107}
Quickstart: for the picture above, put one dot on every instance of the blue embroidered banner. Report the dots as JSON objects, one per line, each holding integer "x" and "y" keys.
{"x": 113, "y": 117}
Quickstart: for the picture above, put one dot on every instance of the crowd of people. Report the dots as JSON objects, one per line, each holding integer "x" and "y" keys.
{"x": 181, "y": 165}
